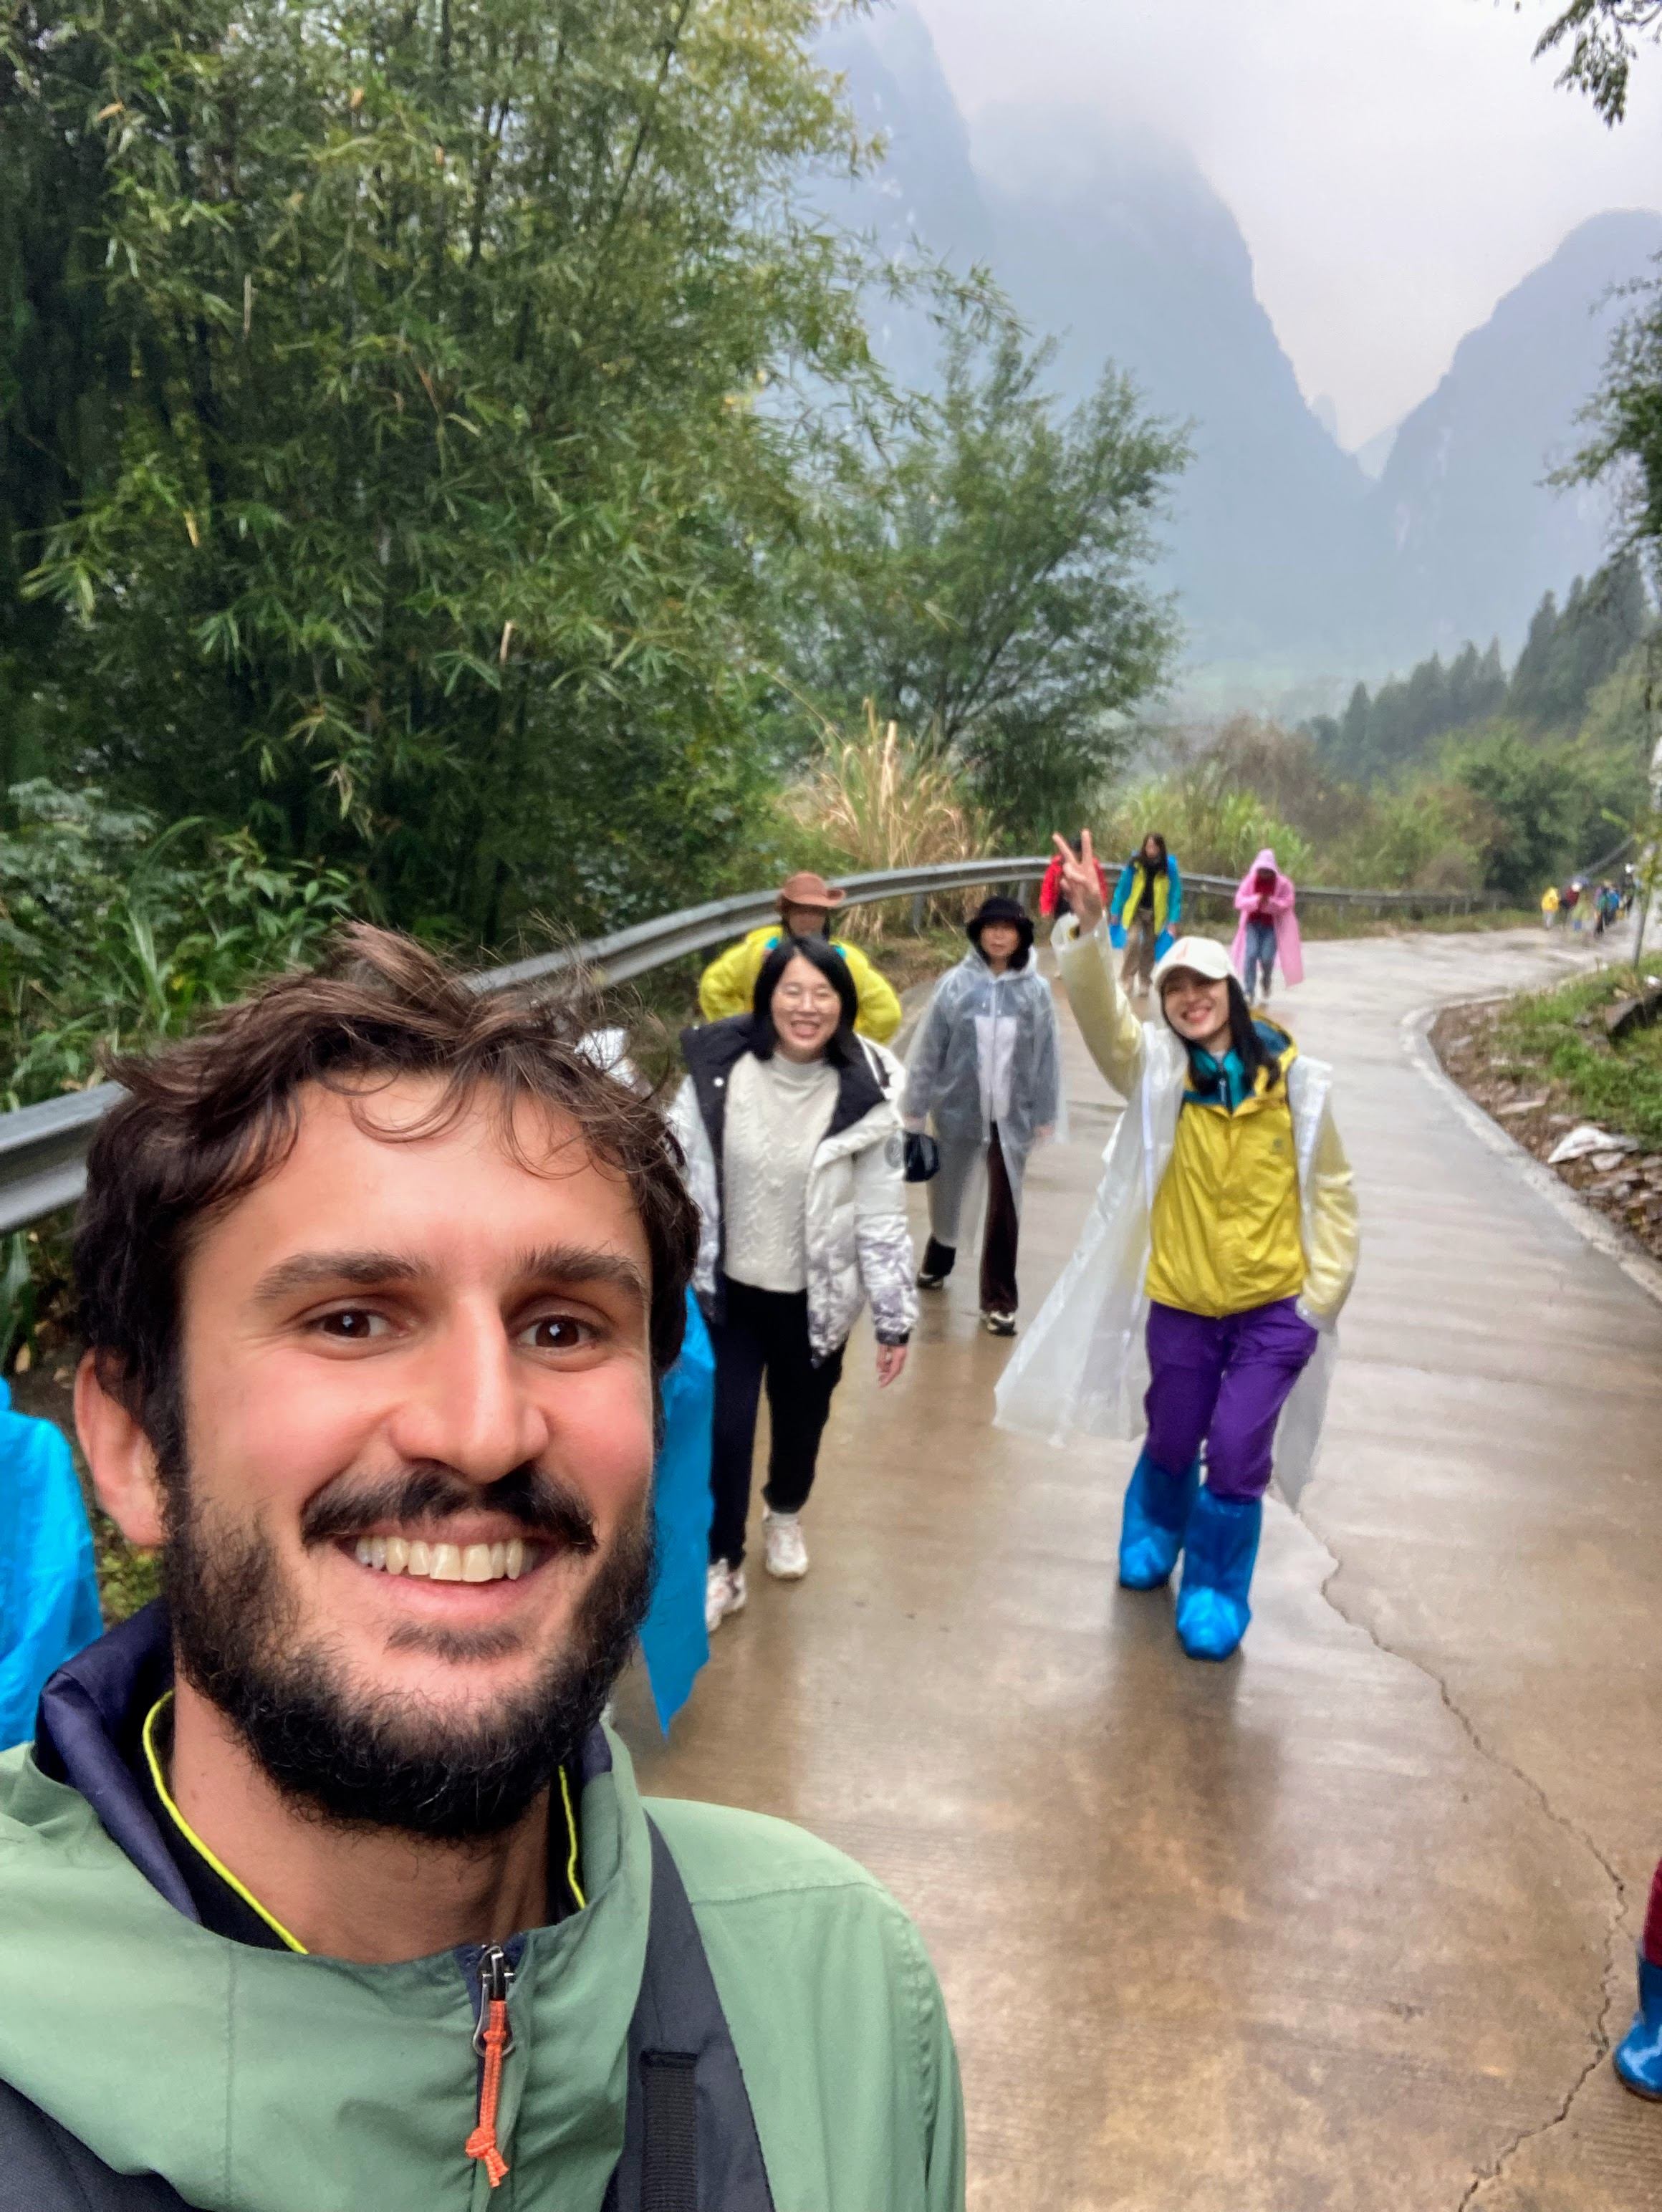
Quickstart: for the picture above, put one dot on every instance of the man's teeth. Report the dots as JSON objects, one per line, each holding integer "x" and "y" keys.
{"x": 444, "y": 1563}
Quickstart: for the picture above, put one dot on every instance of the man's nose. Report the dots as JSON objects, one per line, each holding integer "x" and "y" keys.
{"x": 470, "y": 1405}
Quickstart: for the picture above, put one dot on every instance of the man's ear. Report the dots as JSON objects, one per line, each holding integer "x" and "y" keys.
{"x": 121, "y": 1457}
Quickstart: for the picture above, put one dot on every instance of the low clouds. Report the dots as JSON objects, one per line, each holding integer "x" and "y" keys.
{"x": 1395, "y": 165}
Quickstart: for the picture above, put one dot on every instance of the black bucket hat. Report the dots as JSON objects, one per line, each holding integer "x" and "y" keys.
{"x": 1007, "y": 910}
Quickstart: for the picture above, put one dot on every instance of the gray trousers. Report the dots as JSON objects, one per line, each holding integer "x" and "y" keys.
{"x": 1137, "y": 970}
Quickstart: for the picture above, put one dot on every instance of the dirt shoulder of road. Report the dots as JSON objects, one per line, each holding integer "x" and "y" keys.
{"x": 1542, "y": 1065}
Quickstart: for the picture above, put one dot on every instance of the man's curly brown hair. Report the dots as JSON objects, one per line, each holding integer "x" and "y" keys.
{"x": 206, "y": 1119}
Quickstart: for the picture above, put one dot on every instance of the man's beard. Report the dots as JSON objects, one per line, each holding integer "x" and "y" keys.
{"x": 380, "y": 1758}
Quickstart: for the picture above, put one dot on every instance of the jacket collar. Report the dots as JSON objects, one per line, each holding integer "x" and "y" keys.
{"x": 713, "y": 1049}
{"x": 86, "y": 1735}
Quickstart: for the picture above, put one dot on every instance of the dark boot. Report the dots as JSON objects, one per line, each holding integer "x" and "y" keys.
{"x": 937, "y": 1265}
{"x": 1220, "y": 1553}
{"x": 1151, "y": 1530}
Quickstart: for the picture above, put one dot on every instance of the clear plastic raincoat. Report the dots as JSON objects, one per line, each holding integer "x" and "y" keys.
{"x": 1083, "y": 1366}
{"x": 943, "y": 1071}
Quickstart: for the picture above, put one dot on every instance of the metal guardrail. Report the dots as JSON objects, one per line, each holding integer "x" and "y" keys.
{"x": 43, "y": 1153}
{"x": 629, "y": 953}
{"x": 43, "y": 1148}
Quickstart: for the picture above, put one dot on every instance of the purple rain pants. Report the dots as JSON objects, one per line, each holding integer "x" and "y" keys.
{"x": 1222, "y": 1383}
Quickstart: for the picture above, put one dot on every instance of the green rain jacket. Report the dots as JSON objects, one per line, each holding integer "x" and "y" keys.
{"x": 257, "y": 2080}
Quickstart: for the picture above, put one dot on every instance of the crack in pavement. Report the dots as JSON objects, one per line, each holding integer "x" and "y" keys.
{"x": 1602, "y": 2032}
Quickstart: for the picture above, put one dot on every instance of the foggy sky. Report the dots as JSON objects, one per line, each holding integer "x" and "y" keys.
{"x": 1395, "y": 165}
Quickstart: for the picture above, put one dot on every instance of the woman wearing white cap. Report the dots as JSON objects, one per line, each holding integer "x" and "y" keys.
{"x": 1221, "y": 1247}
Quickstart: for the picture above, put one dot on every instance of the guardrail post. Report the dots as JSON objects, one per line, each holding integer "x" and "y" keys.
{"x": 917, "y": 914}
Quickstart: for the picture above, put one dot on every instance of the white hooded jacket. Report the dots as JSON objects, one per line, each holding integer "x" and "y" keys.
{"x": 858, "y": 1243}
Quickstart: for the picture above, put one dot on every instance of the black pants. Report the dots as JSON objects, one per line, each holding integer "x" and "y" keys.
{"x": 764, "y": 1333}
{"x": 1000, "y": 1237}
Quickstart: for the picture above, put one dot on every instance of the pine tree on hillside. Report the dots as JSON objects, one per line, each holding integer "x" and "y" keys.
{"x": 1531, "y": 679}
{"x": 1569, "y": 654}
{"x": 1476, "y": 685}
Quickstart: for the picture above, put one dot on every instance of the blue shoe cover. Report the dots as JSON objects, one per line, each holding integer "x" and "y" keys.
{"x": 1639, "y": 2054}
{"x": 1219, "y": 1555}
{"x": 1157, "y": 1508}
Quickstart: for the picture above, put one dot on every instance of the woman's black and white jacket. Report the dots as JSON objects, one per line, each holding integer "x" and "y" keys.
{"x": 858, "y": 1244}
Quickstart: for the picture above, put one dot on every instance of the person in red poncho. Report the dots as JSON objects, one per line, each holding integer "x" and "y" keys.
{"x": 1268, "y": 928}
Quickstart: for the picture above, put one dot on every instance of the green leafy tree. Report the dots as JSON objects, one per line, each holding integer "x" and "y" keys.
{"x": 1603, "y": 37}
{"x": 982, "y": 577}
{"x": 1548, "y": 809}
{"x": 391, "y": 374}
{"x": 114, "y": 930}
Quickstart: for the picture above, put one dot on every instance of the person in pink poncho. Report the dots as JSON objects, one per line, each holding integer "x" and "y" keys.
{"x": 1268, "y": 927}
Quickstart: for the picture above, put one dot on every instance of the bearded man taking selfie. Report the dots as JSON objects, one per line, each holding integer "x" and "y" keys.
{"x": 322, "y": 1886}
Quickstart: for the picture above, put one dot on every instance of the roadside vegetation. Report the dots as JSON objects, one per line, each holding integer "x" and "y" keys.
{"x": 1543, "y": 1064}
{"x": 1556, "y": 1040}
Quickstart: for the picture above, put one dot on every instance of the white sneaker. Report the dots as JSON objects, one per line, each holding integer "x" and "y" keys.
{"x": 724, "y": 1593}
{"x": 785, "y": 1554}
{"x": 997, "y": 1323}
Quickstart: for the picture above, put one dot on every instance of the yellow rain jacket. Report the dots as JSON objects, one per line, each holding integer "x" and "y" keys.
{"x": 1225, "y": 1232}
{"x": 729, "y": 984}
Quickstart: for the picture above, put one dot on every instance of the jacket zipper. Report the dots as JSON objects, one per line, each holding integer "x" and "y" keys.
{"x": 493, "y": 2039}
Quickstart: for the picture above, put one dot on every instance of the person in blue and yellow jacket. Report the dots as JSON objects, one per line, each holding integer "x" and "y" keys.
{"x": 1213, "y": 1268}
{"x": 807, "y": 902}
{"x": 1145, "y": 910}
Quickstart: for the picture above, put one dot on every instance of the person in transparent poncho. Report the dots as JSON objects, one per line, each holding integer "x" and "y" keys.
{"x": 1210, "y": 1273}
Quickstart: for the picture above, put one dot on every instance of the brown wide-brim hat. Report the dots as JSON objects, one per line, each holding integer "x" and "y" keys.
{"x": 805, "y": 889}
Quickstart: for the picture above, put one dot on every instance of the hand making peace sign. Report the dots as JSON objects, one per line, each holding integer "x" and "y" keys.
{"x": 1080, "y": 880}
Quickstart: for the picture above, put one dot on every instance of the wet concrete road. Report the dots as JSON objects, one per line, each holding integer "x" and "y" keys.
{"x": 1348, "y": 1923}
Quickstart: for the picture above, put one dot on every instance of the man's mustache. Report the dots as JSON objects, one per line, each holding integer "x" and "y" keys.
{"x": 430, "y": 1492}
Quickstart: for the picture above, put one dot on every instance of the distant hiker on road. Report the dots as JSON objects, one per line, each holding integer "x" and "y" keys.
{"x": 1222, "y": 1246}
{"x": 1268, "y": 925}
{"x": 1550, "y": 906}
{"x": 986, "y": 1067}
{"x": 1571, "y": 905}
{"x": 807, "y": 902}
{"x": 1146, "y": 909}
{"x": 791, "y": 1128}
{"x": 1052, "y": 899}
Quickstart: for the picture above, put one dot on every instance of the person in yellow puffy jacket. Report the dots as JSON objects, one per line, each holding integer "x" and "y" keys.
{"x": 1221, "y": 1248}
{"x": 807, "y": 902}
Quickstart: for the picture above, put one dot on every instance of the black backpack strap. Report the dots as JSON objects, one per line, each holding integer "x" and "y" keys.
{"x": 690, "y": 2141}
{"x": 44, "y": 2168}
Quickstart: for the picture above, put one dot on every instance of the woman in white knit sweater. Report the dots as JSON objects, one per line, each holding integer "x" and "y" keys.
{"x": 791, "y": 1128}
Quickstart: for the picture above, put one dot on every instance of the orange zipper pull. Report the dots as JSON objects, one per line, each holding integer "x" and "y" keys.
{"x": 492, "y": 2038}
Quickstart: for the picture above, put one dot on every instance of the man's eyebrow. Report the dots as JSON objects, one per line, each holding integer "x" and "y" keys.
{"x": 583, "y": 1263}
{"x": 308, "y": 1271}
{"x": 571, "y": 1264}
